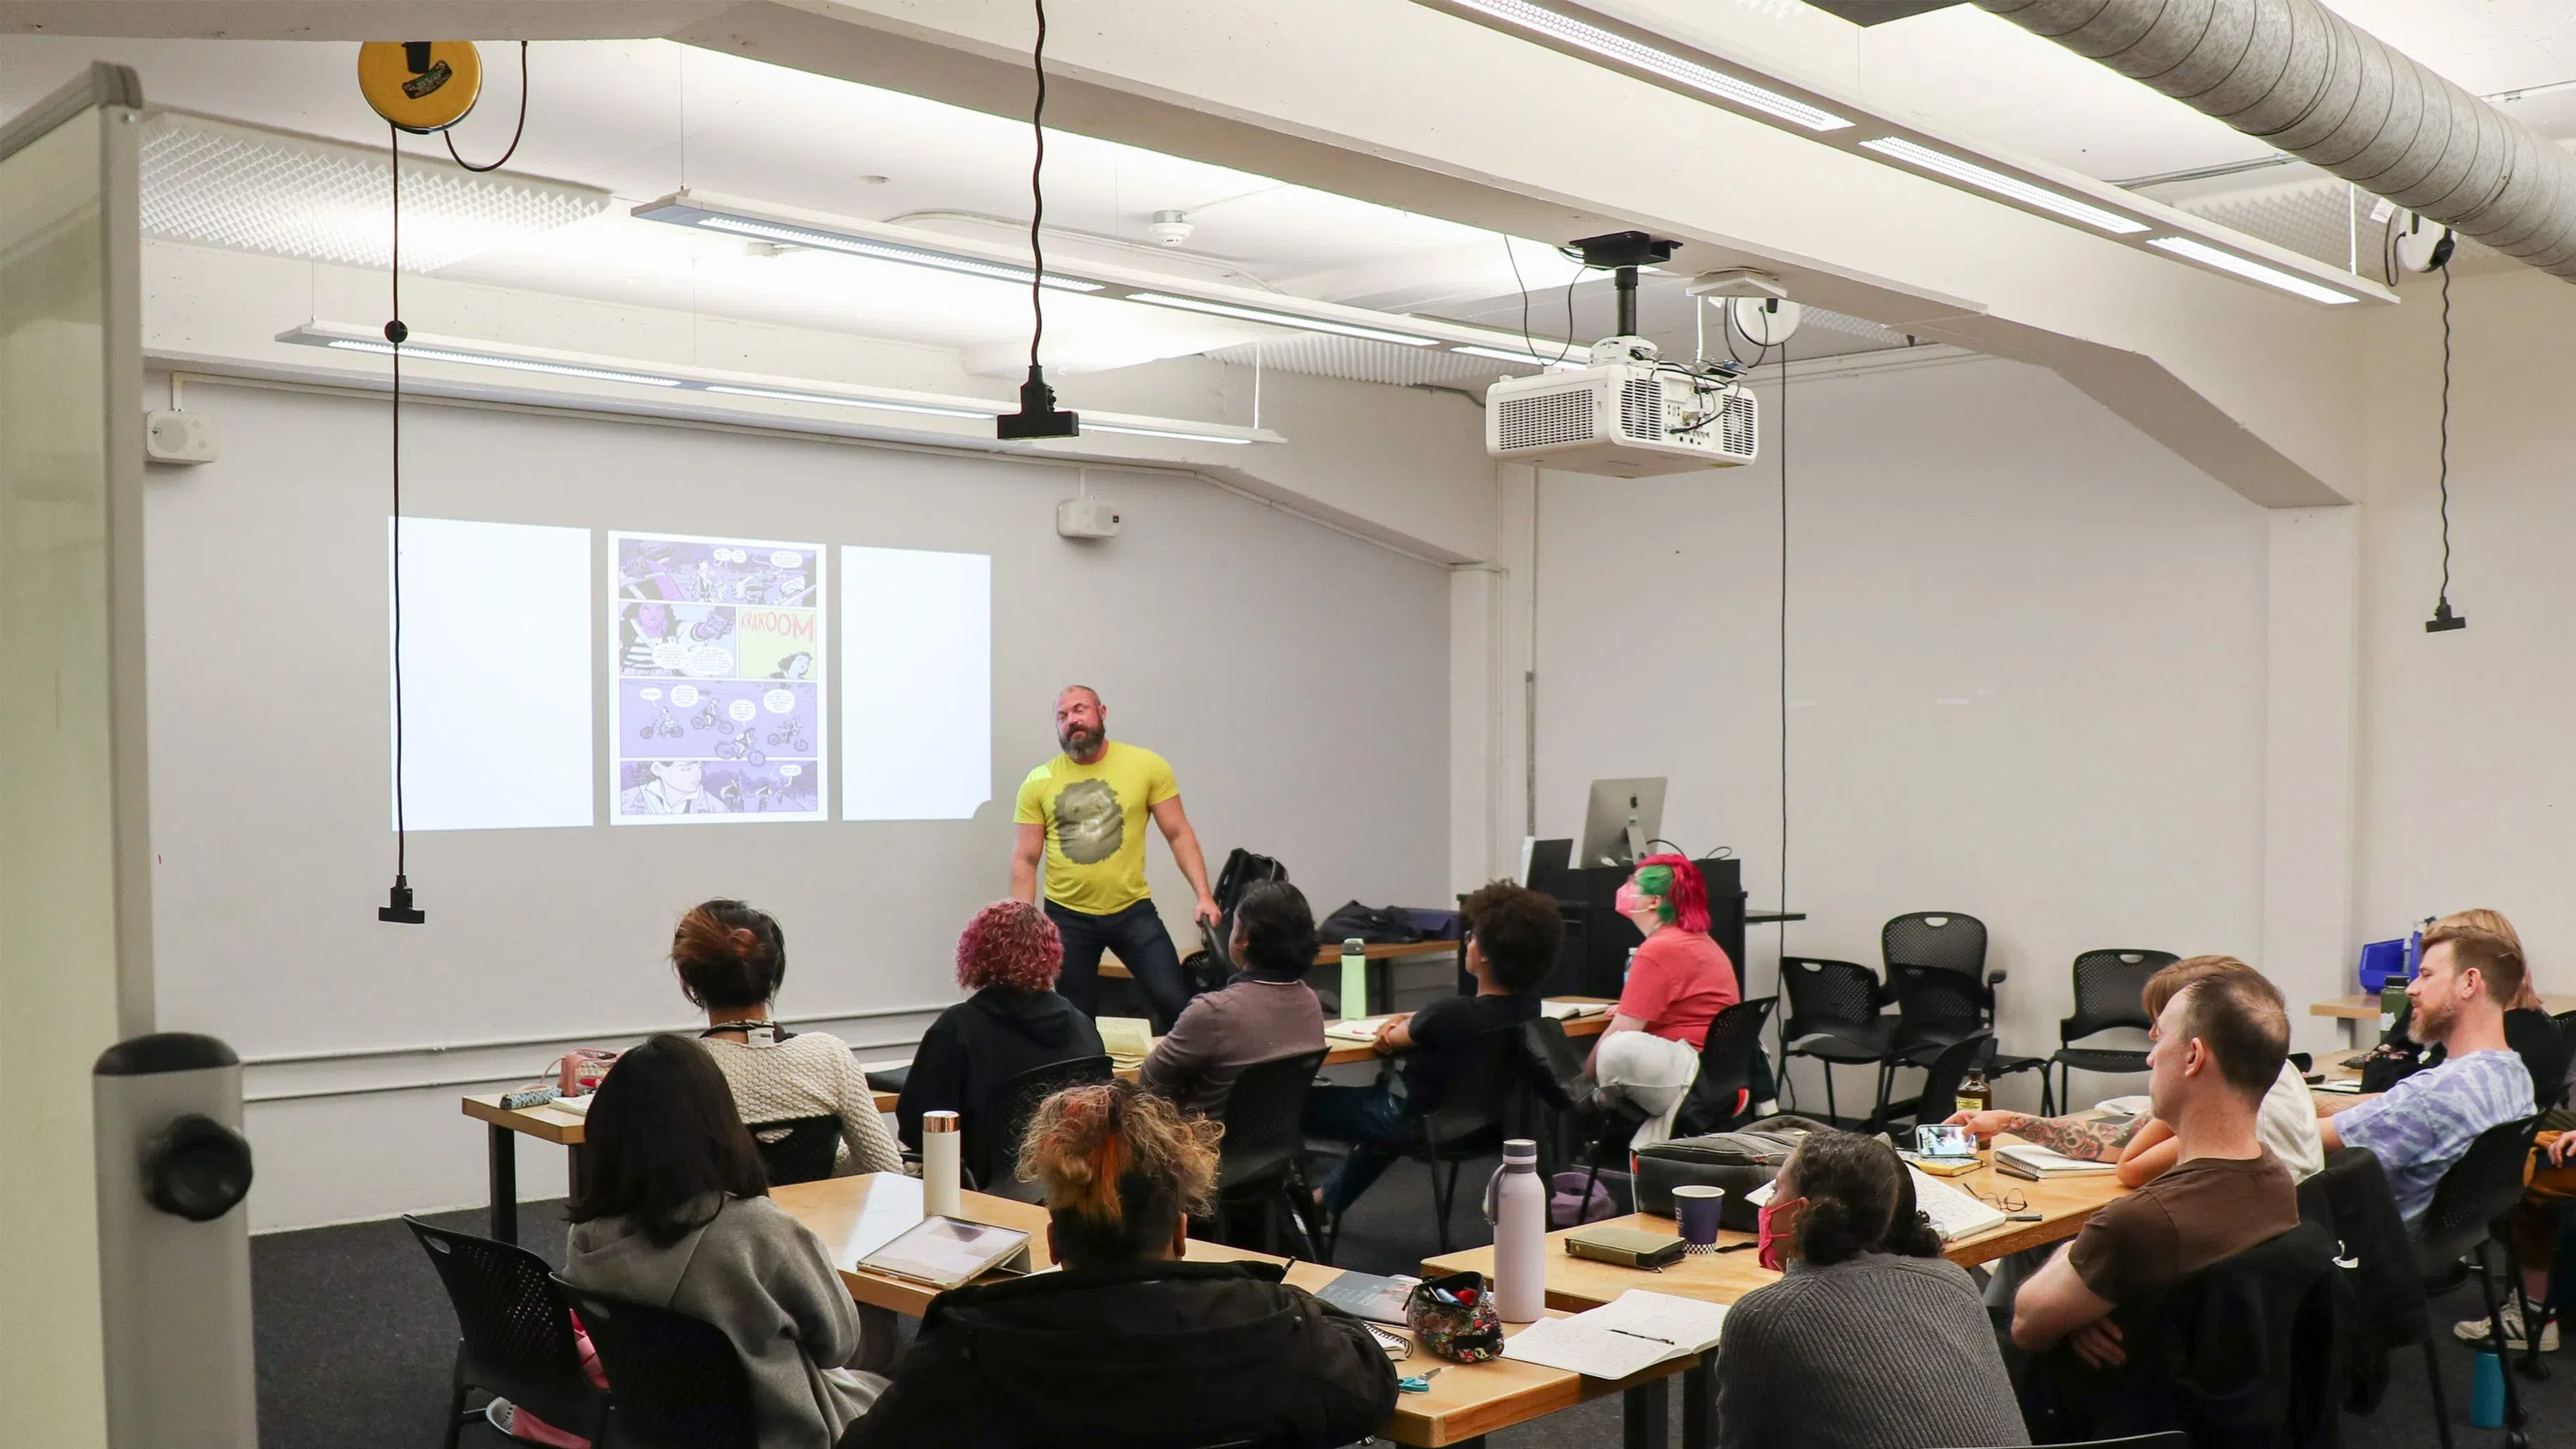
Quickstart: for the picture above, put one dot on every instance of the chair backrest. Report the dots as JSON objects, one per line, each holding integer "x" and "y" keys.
{"x": 1725, "y": 1067}
{"x": 1937, "y": 996}
{"x": 2109, "y": 986}
{"x": 2351, "y": 1197}
{"x": 994, "y": 1127}
{"x": 1941, "y": 1080}
{"x": 1825, "y": 994}
{"x": 2478, "y": 1189}
{"x": 797, "y": 1149}
{"x": 1945, "y": 939}
{"x": 1264, "y": 1117}
{"x": 1480, "y": 1091}
{"x": 675, "y": 1382}
{"x": 518, "y": 1336}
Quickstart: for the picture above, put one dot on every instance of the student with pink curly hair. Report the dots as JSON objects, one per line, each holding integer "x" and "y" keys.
{"x": 1014, "y": 1022}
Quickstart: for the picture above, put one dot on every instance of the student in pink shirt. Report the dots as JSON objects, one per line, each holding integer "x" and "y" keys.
{"x": 1678, "y": 982}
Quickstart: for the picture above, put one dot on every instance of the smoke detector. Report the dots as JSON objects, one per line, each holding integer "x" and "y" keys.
{"x": 1171, "y": 228}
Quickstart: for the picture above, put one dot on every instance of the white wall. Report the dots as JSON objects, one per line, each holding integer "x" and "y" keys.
{"x": 1297, "y": 677}
{"x": 2027, "y": 665}
{"x": 2467, "y": 781}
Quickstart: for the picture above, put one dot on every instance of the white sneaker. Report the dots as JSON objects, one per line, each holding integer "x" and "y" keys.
{"x": 500, "y": 1413}
{"x": 2478, "y": 1331}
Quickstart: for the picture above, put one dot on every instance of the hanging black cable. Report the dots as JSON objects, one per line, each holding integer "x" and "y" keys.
{"x": 515, "y": 134}
{"x": 1038, "y": 416}
{"x": 398, "y": 907}
{"x": 2443, "y": 620}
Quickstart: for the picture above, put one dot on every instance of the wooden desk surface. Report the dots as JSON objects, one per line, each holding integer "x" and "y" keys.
{"x": 1577, "y": 1283}
{"x": 2366, "y": 1008}
{"x": 549, "y": 1123}
{"x": 1331, "y": 955}
{"x": 854, "y": 1216}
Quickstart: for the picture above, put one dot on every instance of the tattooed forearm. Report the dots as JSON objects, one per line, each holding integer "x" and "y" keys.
{"x": 2081, "y": 1140}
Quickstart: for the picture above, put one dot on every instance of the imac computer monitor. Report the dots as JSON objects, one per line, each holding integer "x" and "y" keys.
{"x": 1623, "y": 816}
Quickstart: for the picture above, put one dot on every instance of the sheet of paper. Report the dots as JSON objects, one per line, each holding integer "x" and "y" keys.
{"x": 1364, "y": 1029}
{"x": 1125, "y": 1038}
{"x": 1954, "y": 1214}
{"x": 1688, "y": 1323}
{"x": 1570, "y": 1344}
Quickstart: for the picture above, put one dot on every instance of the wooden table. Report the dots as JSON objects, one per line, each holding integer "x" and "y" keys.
{"x": 2357, "y": 1008}
{"x": 1578, "y": 1283}
{"x": 854, "y": 1216}
{"x": 546, "y": 1123}
{"x": 1116, "y": 970}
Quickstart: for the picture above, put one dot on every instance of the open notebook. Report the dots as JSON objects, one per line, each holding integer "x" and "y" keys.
{"x": 1628, "y": 1335}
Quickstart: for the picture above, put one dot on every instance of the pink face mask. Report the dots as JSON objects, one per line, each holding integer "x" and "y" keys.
{"x": 1769, "y": 1239}
{"x": 1629, "y": 901}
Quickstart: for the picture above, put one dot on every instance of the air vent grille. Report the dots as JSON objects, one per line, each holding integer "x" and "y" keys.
{"x": 1735, "y": 435}
{"x": 1544, "y": 419}
{"x": 1641, "y": 409}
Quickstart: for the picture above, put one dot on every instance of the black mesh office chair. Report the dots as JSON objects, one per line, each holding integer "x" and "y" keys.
{"x": 514, "y": 1335}
{"x": 994, "y": 1127}
{"x": 2469, "y": 1210}
{"x": 797, "y": 1149}
{"x": 1721, "y": 1094}
{"x": 1834, "y": 1017}
{"x": 1941, "y": 1078}
{"x": 1494, "y": 1071}
{"x": 675, "y": 1382}
{"x": 2109, "y": 987}
{"x": 1936, "y": 969}
{"x": 1262, "y": 1163}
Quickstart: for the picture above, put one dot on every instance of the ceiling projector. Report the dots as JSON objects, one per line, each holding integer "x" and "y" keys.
{"x": 1628, "y": 414}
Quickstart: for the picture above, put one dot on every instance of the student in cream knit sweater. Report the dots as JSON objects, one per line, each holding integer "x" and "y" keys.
{"x": 731, "y": 959}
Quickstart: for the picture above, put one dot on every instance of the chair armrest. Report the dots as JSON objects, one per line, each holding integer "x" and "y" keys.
{"x": 1995, "y": 979}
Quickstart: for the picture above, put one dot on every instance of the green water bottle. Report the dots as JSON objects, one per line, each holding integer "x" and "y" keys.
{"x": 1354, "y": 979}
{"x": 2392, "y": 1000}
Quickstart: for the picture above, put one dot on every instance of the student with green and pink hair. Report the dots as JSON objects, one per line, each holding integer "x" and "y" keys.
{"x": 1678, "y": 981}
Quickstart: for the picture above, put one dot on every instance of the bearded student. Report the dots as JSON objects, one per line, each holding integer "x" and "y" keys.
{"x": 1082, "y": 815}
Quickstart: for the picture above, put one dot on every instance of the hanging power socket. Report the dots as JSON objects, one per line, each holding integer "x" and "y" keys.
{"x": 170, "y": 436}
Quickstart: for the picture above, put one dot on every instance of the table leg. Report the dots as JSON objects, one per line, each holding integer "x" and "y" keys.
{"x": 577, "y": 1168}
{"x": 505, "y": 1184}
{"x": 1644, "y": 1414}
{"x": 1699, "y": 1403}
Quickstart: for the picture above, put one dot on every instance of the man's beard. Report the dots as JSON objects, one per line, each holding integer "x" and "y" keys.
{"x": 1080, "y": 741}
{"x": 2428, "y": 1025}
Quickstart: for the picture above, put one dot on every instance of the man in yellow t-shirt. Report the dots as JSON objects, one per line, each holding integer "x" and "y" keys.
{"x": 1084, "y": 813}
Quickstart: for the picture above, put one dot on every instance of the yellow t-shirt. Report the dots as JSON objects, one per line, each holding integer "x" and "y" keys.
{"x": 1095, "y": 824}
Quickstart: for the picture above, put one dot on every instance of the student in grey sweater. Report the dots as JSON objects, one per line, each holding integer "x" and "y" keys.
{"x": 1266, "y": 1012}
{"x": 1871, "y": 1340}
{"x": 677, "y": 1215}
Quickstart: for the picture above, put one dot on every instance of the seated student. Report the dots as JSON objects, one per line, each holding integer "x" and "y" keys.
{"x": 1128, "y": 1345}
{"x": 1872, "y": 1341}
{"x": 677, "y": 1215}
{"x": 1679, "y": 980}
{"x": 731, "y": 959}
{"x": 1015, "y": 1022}
{"x": 2144, "y": 1147}
{"x": 2426, "y": 1122}
{"x": 2549, "y": 1195}
{"x": 2527, "y": 1025}
{"x": 2218, "y": 1047}
{"x": 1512, "y": 939}
{"x": 1266, "y": 1012}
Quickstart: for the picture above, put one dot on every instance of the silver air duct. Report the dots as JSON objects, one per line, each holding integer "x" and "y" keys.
{"x": 2324, "y": 90}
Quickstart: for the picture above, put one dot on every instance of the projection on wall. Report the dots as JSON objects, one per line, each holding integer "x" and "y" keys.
{"x": 496, "y": 675}
{"x": 716, "y": 666}
{"x": 917, "y": 684}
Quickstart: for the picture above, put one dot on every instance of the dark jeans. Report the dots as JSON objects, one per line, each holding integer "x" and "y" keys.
{"x": 1137, "y": 935}
{"x": 1374, "y": 1121}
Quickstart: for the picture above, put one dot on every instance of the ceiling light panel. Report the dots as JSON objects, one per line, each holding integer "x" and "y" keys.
{"x": 1638, "y": 55}
{"x": 2010, "y": 187}
{"x": 1279, "y": 319}
{"x": 2253, "y": 271}
{"x": 514, "y": 364}
{"x": 214, "y": 183}
{"x": 882, "y": 251}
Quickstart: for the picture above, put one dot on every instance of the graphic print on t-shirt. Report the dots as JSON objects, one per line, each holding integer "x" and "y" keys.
{"x": 1089, "y": 825}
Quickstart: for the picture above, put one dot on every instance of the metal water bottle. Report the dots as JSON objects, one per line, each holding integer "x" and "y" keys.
{"x": 940, "y": 1148}
{"x": 1355, "y": 1002}
{"x": 1520, "y": 1235}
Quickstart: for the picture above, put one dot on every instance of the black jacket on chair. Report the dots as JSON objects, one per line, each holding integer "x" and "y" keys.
{"x": 984, "y": 1041}
{"x": 2351, "y": 1200}
{"x": 2248, "y": 1352}
{"x": 1138, "y": 1356}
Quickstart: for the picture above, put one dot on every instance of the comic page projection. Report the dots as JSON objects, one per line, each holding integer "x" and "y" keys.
{"x": 716, "y": 665}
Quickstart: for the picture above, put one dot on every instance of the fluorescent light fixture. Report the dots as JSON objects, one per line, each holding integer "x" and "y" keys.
{"x": 2250, "y": 270}
{"x": 2010, "y": 187}
{"x": 784, "y": 395}
{"x": 1574, "y": 357}
{"x": 516, "y": 364}
{"x": 806, "y": 236}
{"x": 1625, "y": 51}
{"x": 1280, "y": 319}
{"x": 1089, "y": 426}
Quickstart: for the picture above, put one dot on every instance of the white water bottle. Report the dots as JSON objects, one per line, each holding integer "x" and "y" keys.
{"x": 1520, "y": 1235}
{"x": 940, "y": 1146}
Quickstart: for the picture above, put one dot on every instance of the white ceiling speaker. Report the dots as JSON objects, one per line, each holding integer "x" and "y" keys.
{"x": 2423, "y": 246}
{"x": 1171, "y": 228}
{"x": 1764, "y": 321}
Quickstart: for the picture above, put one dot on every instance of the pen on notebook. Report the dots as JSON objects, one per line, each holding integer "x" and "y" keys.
{"x": 1648, "y": 1337}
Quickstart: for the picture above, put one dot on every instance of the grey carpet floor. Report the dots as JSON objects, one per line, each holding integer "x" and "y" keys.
{"x": 355, "y": 1337}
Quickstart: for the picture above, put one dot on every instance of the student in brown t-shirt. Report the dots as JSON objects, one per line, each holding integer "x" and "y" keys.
{"x": 2218, "y": 1046}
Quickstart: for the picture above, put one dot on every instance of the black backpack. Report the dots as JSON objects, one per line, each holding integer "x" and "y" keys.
{"x": 1377, "y": 925}
{"x": 1244, "y": 870}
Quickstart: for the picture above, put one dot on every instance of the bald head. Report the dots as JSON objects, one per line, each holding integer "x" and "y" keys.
{"x": 1081, "y": 723}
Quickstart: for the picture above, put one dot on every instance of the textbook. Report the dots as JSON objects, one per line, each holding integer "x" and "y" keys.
{"x": 2026, "y": 1160}
{"x": 1628, "y": 1335}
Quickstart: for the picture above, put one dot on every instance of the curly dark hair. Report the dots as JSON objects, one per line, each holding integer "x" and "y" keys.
{"x": 1860, "y": 1199}
{"x": 1519, "y": 931}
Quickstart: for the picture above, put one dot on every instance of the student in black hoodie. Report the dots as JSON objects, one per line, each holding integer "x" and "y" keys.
{"x": 1014, "y": 1022}
{"x": 1129, "y": 1346}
